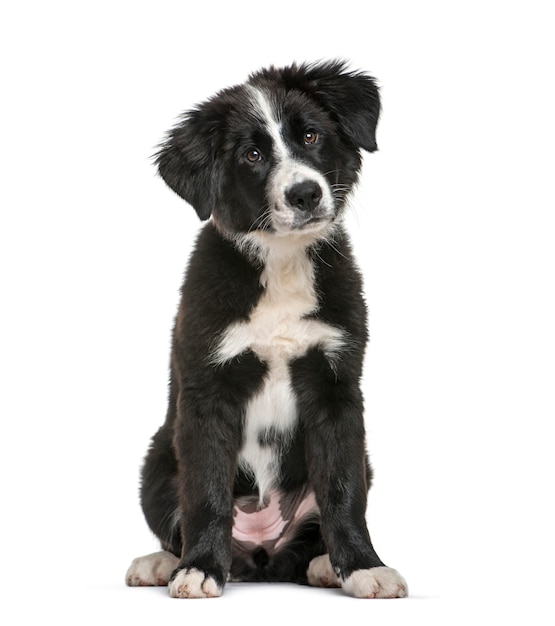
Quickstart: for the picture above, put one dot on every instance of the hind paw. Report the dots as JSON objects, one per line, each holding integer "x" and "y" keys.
{"x": 320, "y": 573}
{"x": 152, "y": 570}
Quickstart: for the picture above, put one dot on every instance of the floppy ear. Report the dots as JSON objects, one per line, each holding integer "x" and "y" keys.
{"x": 352, "y": 98}
{"x": 187, "y": 159}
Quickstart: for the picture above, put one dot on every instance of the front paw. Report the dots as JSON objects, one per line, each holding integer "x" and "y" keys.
{"x": 377, "y": 582}
{"x": 193, "y": 583}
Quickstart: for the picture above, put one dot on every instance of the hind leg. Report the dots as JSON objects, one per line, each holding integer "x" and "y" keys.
{"x": 159, "y": 497}
{"x": 161, "y": 510}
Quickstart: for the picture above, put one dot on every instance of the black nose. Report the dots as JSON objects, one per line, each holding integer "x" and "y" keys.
{"x": 304, "y": 196}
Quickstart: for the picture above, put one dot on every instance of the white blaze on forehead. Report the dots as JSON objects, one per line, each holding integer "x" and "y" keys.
{"x": 268, "y": 114}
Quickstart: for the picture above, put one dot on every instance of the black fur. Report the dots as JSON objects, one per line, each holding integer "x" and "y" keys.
{"x": 191, "y": 472}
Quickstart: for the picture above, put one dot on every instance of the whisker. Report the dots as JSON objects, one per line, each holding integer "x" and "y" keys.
{"x": 321, "y": 259}
{"x": 332, "y": 172}
{"x": 331, "y": 242}
{"x": 263, "y": 219}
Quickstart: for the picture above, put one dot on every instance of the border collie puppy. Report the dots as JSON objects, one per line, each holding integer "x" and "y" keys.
{"x": 260, "y": 471}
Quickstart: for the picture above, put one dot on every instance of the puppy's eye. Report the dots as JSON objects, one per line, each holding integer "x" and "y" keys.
{"x": 310, "y": 137}
{"x": 253, "y": 155}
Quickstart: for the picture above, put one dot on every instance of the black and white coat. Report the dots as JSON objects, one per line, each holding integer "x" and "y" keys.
{"x": 260, "y": 471}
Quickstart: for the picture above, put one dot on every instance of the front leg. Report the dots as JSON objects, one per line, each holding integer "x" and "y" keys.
{"x": 339, "y": 473}
{"x": 207, "y": 440}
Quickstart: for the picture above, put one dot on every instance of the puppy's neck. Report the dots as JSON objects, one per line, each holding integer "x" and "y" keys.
{"x": 278, "y": 254}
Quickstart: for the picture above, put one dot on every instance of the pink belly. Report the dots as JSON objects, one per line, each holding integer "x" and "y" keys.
{"x": 276, "y": 523}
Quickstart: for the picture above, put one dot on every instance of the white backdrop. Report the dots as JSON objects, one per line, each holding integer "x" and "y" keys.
{"x": 454, "y": 227}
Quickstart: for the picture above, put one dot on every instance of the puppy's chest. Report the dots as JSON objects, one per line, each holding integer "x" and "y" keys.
{"x": 278, "y": 328}
{"x": 281, "y": 327}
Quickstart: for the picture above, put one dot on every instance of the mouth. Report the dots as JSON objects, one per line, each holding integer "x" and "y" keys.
{"x": 288, "y": 221}
{"x": 309, "y": 222}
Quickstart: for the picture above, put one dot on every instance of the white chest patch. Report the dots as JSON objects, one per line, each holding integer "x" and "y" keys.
{"x": 277, "y": 331}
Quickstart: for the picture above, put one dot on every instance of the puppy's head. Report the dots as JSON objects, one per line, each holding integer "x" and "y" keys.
{"x": 278, "y": 153}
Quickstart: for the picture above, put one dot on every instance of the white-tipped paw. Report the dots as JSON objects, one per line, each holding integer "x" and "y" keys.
{"x": 151, "y": 570}
{"x": 193, "y": 583}
{"x": 320, "y": 573}
{"x": 377, "y": 582}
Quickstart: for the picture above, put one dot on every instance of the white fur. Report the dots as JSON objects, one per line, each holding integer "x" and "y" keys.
{"x": 194, "y": 583}
{"x": 273, "y": 407}
{"x": 377, "y": 582}
{"x": 288, "y": 173}
{"x": 320, "y": 573}
{"x": 151, "y": 570}
{"x": 277, "y": 331}
{"x": 268, "y": 115}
